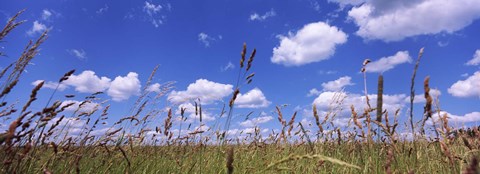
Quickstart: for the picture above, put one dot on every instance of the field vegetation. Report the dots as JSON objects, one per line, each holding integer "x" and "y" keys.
{"x": 143, "y": 141}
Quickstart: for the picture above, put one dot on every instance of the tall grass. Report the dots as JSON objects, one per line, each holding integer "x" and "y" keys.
{"x": 143, "y": 141}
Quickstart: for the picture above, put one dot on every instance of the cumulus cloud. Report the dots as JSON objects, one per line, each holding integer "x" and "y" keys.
{"x": 344, "y": 3}
{"x": 74, "y": 126}
{"x": 341, "y": 122}
{"x": 399, "y": 19}
{"x": 121, "y": 88}
{"x": 88, "y": 82}
{"x": 240, "y": 133}
{"x": 80, "y": 54}
{"x": 191, "y": 113}
{"x": 85, "y": 106}
{"x": 253, "y": 130}
{"x": 388, "y": 63}
{"x": 328, "y": 99}
{"x": 313, "y": 43}
{"x": 324, "y": 99}
{"x": 476, "y": 59}
{"x": 268, "y": 14}
{"x": 203, "y": 89}
{"x": 154, "y": 88}
{"x": 469, "y": 87}
{"x": 306, "y": 122}
{"x": 202, "y": 127}
{"x": 252, "y": 99}
{"x": 100, "y": 132}
{"x": 338, "y": 84}
{"x": 420, "y": 98}
{"x": 256, "y": 121}
{"x": 458, "y": 120}
{"x": 206, "y": 117}
{"x": 313, "y": 92}
{"x": 37, "y": 28}
{"x": 51, "y": 85}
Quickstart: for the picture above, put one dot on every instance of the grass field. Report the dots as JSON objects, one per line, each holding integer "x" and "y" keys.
{"x": 39, "y": 141}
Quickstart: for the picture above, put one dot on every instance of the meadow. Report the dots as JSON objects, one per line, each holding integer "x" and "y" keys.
{"x": 143, "y": 141}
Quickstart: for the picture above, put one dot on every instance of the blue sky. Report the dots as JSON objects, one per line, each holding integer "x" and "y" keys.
{"x": 307, "y": 50}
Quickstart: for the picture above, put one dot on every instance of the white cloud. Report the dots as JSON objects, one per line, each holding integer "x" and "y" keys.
{"x": 191, "y": 114}
{"x": 233, "y": 132}
{"x": 313, "y": 92}
{"x": 328, "y": 99}
{"x": 153, "y": 12}
{"x": 100, "y": 132}
{"x": 325, "y": 98}
{"x": 46, "y": 14}
{"x": 442, "y": 44}
{"x": 74, "y": 126}
{"x": 420, "y": 98}
{"x": 240, "y": 133}
{"x": 390, "y": 102}
{"x": 80, "y": 54}
{"x": 250, "y": 130}
{"x": 315, "y": 5}
{"x": 341, "y": 122}
{"x": 466, "y": 88}
{"x": 227, "y": 67}
{"x": 435, "y": 93}
{"x": 37, "y": 28}
{"x": 151, "y": 8}
{"x": 206, "y": 117}
{"x": 252, "y": 99}
{"x": 68, "y": 122}
{"x": 329, "y": 72}
{"x": 476, "y": 59}
{"x": 313, "y": 43}
{"x": 154, "y": 88}
{"x": 207, "y": 91}
{"x": 458, "y": 120}
{"x": 338, "y": 84}
{"x": 202, "y": 127}
{"x": 88, "y": 82}
{"x": 344, "y": 3}
{"x": 51, "y": 85}
{"x": 86, "y": 106}
{"x": 205, "y": 39}
{"x": 188, "y": 106}
{"x": 388, "y": 63}
{"x": 268, "y": 14}
{"x": 396, "y": 20}
{"x": 102, "y": 10}
{"x": 306, "y": 122}
{"x": 256, "y": 121}
{"x": 122, "y": 88}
